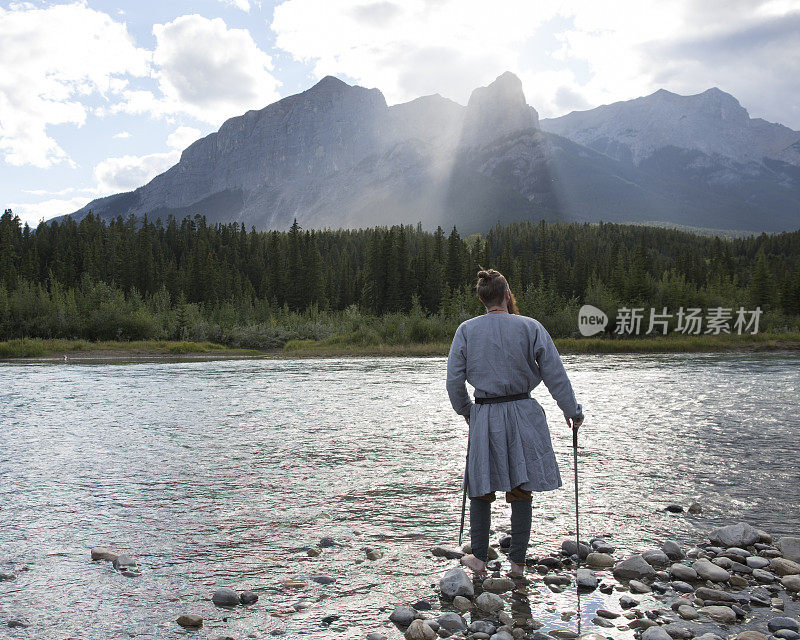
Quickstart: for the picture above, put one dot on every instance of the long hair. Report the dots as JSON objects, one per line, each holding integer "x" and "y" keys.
{"x": 491, "y": 288}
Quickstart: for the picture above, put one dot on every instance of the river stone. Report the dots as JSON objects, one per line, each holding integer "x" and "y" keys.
{"x": 672, "y": 550}
{"x": 605, "y": 613}
{"x": 787, "y": 634}
{"x": 420, "y": 630}
{"x": 719, "y": 613}
{"x": 101, "y": 553}
{"x": 777, "y": 624}
{"x": 655, "y": 557}
{"x": 564, "y": 634}
{"x": 677, "y": 631}
{"x": 763, "y": 576}
{"x": 695, "y": 508}
{"x": 7, "y": 577}
{"x": 313, "y": 552}
{"x": 585, "y": 579}
{"x": 790, "y": 547}
{"x": 634, "y": 568}
{"x": 638, "y": 587}
{"x": 456, "y": 583}
{"x": 376, "y": 636}
{"x": 452, "y": 622}
{"x": 642, "y": 623}
{"x": 709, "y": 636}
{"x": 373, "y": 554}
{"x": 688, "y": 612}
{"x": 444, "y": 552}
{"x": 714, "y": 595}
{"x": 124, "y": 561}
{"x": 502, "y": 634}
{"x": 190, "y": 620}
{"x": 326, "y": 542}
{"x": 225, "y": 597}
{"x": 751, "y": 635}
{"x": 784, "y": 567}
{"x": 559, "y": 580}
{"x": 482, "y": 626}
{"x": 707, "y": 570}
{"x": 592, "y": 636}
{"x": 791, "y": 583}
{"x": 322, "y": 579}
{"x": 721, "y": 561}
{"x": 462, "y": 604}
{"x": 757, "y": 562}
{"x": 682, "y": 572}
{"x": 655, "y": 633}
{"x": 735, "y": 535}
{"x": 498, "y": 585}
{"x": 248, "y": 597}
{"x": 627, "y": 602}
{"x": 599, "y": 560}
{"x": 602, "y": 622}
{"x": 489, "y": 602}
{"x": 403, "y": 615}
{"x": 681, "y": 587}
{"x": 569, "y": 547}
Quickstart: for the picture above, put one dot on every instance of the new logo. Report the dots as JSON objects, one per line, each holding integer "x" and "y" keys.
{"x": 591, "y": 320}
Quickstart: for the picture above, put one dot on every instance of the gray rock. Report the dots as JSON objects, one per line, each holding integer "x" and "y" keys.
{"x": 735, "y": 535}
{"x": 655, "y": 633}
{"x": 673, "y": 550}
{"x": 605, "y": 613}
{"x": 373, "y": 554}
{"x": 248, "y": 597}
{"x": 763, "y": 576}
{"x": 714, "y": 595}
{"x": 674, "y": 508}
{"x": 482, "y": 626}
{"x": 688, "y": 612}
{"x": 738, "y": 551}
{"x": 326, "y": 542}
{"x": 489, "y": 602}
{"x": 695, "y": 508}
{"x": 190, "y": 620}
{"x": 498, "y": 585}
{"x": 791, "y": 583}
{"x": 602, "y": 622}
{"x": 376, "y": 636}
{"x": 790, "y": 547}
{"x": 681, "y": 587}
{"x": 557, "y": 580}
{"x": 7, "y": 577}
{"x": 445, "y": 552}
{"x": 586, "y": 580}
{"x": 17, "y": 624}
{"x": 451, "y": 622}
{"x": 569, "y": 547}
{"x": 775, "y": 624}
{"x": 124, "y": 561}
{"x": 638, "y": 587}
{"x": 462, "y": 604}
{"x": 784, "y": 567}
{"x": 564, "y": 634}
{"x": 682, "y": 572}
{"x": 787, "y": 634}
{"x": 101, "y": 553}
{"x": 678, "y": 631}
{"x": 634, "y": 568}
{"x": 456, "y": 583}
{"x": 322, "y": 579}
{"x": 656, "y": 557}
{"x": 627, "y": 602}
{"x": 598, "y": 560}
{"x": 314, "y": 552}
{"x": 757, "y": 562}
{"x": 502, "y": 635}
{"x": 403, "y": 615}
{"x": 719, "y": 613}
{"x": 420, "y": 630}
{"x": 225, "y": 597}
{"x": 707, "y": 570}
{"x": 710, "y": 636}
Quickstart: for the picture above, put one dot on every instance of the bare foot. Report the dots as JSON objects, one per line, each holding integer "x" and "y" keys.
{"x": 517, "y": 570}
{"x": 470, "y": 561}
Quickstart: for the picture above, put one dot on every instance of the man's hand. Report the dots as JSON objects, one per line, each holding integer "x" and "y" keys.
{"x": 575, "y": 422}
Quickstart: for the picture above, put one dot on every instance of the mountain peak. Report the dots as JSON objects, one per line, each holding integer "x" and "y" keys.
{"x": 497, "y": 109}
{"x": 330, "y": 84}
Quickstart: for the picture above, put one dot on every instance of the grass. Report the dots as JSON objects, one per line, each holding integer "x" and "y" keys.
{"x": 334, "y": 346}
{"x": 37, "y": 347}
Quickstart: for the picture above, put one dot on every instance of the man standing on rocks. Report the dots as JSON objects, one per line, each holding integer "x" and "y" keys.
{"x": 505, "y": 355}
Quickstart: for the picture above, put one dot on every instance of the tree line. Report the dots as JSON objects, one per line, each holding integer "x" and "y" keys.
{"x": 128, "y": 267}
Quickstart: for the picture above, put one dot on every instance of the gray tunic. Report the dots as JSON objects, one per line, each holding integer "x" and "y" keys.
{"x": 505, "y": 354}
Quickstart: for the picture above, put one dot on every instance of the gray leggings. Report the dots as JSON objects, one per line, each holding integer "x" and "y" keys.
{"x": 480, "y": 517}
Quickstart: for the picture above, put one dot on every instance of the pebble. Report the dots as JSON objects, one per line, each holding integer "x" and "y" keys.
{"x": 420, "y": 630}
{"x": 740, "y": 534}
{"x": 248, "y": 597}
{"x": 719, "y": 613}
{"x": 681, "y": 587}
{"x": 225, "y": 597}
{"x": 462, "y": 604}
{"x": 456, "y": 583}
{"x": 322, "y": 579}
{"x": 190, "y": 620}
{"x": 707, "y": 570}
{"x": 656, "y": 557}
{"x": 639, "y": 587}
{"x": 294, "y": 583}
{"x": 682, "y": 572}
{"x": 422, "y": 605}
{"x": 783, "y": 623}
{"x": 17, "y": 624}
{"x": 101, "y": 553}
{"x": 717, "y": 595}
{"x": 123, "y": 561}
{"x": 325, "y": 542}
{"x": 314, "y": 552}
{"x": 564, "y": 634}
{"x": 688, "y": 612}
{"x": 655, "y": 633}
{"x": 605, "y": 613}
{"x": 498, "y": 585}
{"x": 502, "y": 635}
{"x": 777, "y": 603}
{"x": 598, "y": 560}
{"x": 482, "y": 626}
{"x": 790, "y": 547}
{"x": 489, "y": 602}
{"x": 6, "y": 577}
{"x": 672, "y": 550}
{"x": 444, "y": 552}
{"x": 751, "y": 635}
{"x": 452, "y": 622}
{"x": 673, "y": 508}
{"x": 374, "y": 554}
{"x": 784, "y": 567}
{"x": 791, "y": 583}
{"x": 557, "y": 580}
{"x": 738, "y": 581}
{"x": 635, "y": 567}
{"x": 585, "y": 579}
{"x": 376, "y": 636}
{"x": 695, "y": 508}
{"x": 570, "y": 548}
{"x": 763, "y": 576}
{"x": 627, "y": 602}
{"x": 756, "y": 562}
{"x": 403, "y": 615}
{"x": 505, "y": 542}
{"x": 787, "y": 634}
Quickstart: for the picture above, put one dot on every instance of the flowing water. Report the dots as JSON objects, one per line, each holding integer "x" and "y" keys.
{"x": 221, "y": 473}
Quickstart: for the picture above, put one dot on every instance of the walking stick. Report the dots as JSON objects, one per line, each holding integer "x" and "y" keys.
{"x": 575, "y": 461}
{"x": 464, "y": 497}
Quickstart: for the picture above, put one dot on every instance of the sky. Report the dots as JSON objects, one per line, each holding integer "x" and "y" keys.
{"x": 97, "y": 97}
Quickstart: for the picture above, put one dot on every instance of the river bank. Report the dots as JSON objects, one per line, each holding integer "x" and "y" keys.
{"x": 76, "y": 350}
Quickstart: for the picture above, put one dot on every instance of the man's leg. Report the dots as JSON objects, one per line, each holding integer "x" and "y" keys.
{"x": 520, "y": 527}
{"x": 480, "y": 515}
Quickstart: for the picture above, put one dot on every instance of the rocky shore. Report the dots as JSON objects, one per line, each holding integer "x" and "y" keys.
{"x": 739, "y": 584}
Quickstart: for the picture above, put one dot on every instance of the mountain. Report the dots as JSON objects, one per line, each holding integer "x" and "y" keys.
{"x": 337, "y": 155}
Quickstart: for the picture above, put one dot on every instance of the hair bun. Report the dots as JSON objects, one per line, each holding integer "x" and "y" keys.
{"x": 484, "y": 275}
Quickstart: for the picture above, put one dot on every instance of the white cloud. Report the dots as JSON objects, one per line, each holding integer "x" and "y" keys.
{"x": 52, "y": 59}
{"x": 244, "y": 5}
{"x": 122, "y": 135}
{"x": 34, "y": 212}
{"x": 129, "y": 172}
{"x": 603, "y": 52}
{"x": 205, "y": 70}
{"x": 182, "y": 137}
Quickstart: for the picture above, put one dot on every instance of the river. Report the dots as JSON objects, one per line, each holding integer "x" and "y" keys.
{"x": 221, "y": 473}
